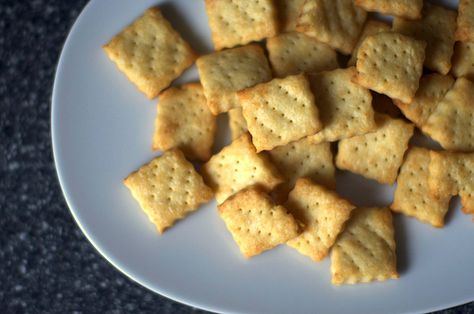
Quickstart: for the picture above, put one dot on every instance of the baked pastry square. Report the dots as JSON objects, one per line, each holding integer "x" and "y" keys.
{"x": 371, "y": 27}
{"x": 465, "y": 21}
{"x": 410, "y": 9}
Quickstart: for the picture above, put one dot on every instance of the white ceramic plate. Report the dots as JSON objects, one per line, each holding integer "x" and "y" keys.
{"x": 102, "y": 128}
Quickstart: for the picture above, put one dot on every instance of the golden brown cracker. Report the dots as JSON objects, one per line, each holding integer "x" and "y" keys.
{"x": 237, "y": 123}
{"x": 371, "y": 27}
{"x": 463, "y": 60}
{"x": 465, "y": 21}
{"x": 288, "y": 11}
{"x": 410, "y": 9}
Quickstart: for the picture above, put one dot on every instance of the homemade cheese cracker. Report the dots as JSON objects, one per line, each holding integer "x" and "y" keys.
{"x": 183, "y": 120}
{"x": 288, "y": 11}
{"x": 334, "y": 22}
{"x": 237, "y": 166}
{"x": 238, "y": 22}
{"x": 323, "y": 214}
{"x": 150, "y": 52}
{"x": 280, "y": 111}
{"x": 391, "y": 64}
{"x": 168, "y": 188}
{"x": 410, "y": 9}
{"x": 412, "y": 195}
{"x": 463, "y": 57}
{"x": 377, "y": 155}
{"x": 345, "y": 108}
{"x": 237, "y": 123}
{"x": 371, "y": 27}
{"x": 452, "y": 121}
{"x": 465, "y": 21}
{"x": 293, "y": 53}
{"x": 256, "y": 223}
{"x": 365, "y": 251}
{"x": 223, "y": 73}
{"x": 436, "y": 28}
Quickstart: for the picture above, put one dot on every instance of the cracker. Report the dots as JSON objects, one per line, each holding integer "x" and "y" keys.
{"x": 168, "y": 188}
{"x": 288, "y": 11}
{"x": 433, "y": 88}
{"x": 452, "y": 174}
{"x": 345, "y": 107}
{"x": 337, "y": 23}
{"x": 436, "y": 28}
{"x": 412, "y": 195}
{"x": 410, "y": 9}
{"x": 365, "y": 251}
{"x": 237, "y": 166}
{"x": 371, "y": 27}
{"x": 463, "y": 57}
{"x": 183, "y": 120}
{"x": 465, "y": 21}
{"x": 238, "y": 22}
{"x": 379, "y": 154}
{"x": 280, "y": 111}
{"x": 322, "y": 212}
{"x": 384, "y": 104}
{"x": 237, "y": 123}
{"x": 150, "y": 53}
{"x": 225, "y": 72}
{"x": 293, "y": 53}
{"x": 256, "y": 223}
{"x": 303, "y": 159}
{"x": 391, "y": 64}
{"x": 452, "y": 122}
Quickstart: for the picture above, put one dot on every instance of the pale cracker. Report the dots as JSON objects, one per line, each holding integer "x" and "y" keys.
{"x": 412, "y": 195}
{"x": 237, "y": 123}
{"x": 366, "y": 250}
{"x": 436, "y": 28}
{"x": 377, "y": 155}
{"x": 150, "y": 52}
{"x": 337, "y": 23}
{"x": 452, "y": 122}
{"x": 391, "y": 64}
{"x": 223, "y": 73}
{"x": 410, "y": 9}
{"x": 384, "y": 104}
{"x": 453, "y": 174}
{"x": 303, "y": 159}
{"x": 168, "y": 188}
{"x": 256, "y": 223}
{"x": 323, "y": 214}
{"x": 238, "y": 22}
{"x": 183, "y": 120}
{"x": 371, "y": 27}
{"x": 293, "y": 53}
{"x": 288, "y": 11}
{"x": 237, "y": 166}
{"x": 345, "y": 107}
{"x": 465, "y": 21}
{"x": 463, "y": 60}
{"x": 280, "y": 111}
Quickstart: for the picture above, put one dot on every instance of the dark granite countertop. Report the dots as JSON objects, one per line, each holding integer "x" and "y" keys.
{"x": 46, "y": 263}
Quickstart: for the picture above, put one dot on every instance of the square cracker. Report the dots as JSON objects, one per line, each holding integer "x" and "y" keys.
{"x": 288, "y": 12}
{"x": 452, "y": 174}
{"x": 293, "y": 53}
{"x": 436, "y": 28}
{"x": 168, "y": 188}
{"x": 238, "y": 22}
{"x": 452, "y": 122}
{"x": 365, "y": 251}
{"x": 223, "y": 73}
{"x": 345, "y": 107}
{"x": 410, "y": 9}
{"x": 334, "y": 22}
{"x": 237, "y": 123}
{"x": 280, "y": 111}
{"x": 391, "y": 64}
{"x": 465, "y": 21}
{"x": 463, "y": 57}
{"x": 432, "y": 89}
{"x": 150, "y": 52}
{"x": 371, "y": 27}
{"x": 379, "y": 154}
{"x": 303, "y": 159}
{"x": 322, "y": 212}
{"x": 183, "y": 120}
{"x": 412, "y": 195}
{"x": 238, "y": 166}
{"x": 256, "y": 223}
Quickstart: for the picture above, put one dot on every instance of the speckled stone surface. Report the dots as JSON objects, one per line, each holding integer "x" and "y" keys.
{"x": 46, "y": 264}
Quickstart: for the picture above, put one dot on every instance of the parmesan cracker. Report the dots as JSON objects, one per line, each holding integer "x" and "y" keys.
{"x": 463, "y": 65}
{"x": 237, "y": 123}
{"x": 465, "y": 21}
{"x": 371, "y": 27}
{"x": 410, "y": 9}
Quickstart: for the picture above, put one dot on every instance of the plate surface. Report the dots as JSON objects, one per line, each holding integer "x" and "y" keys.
{"x": 102, "y": 128}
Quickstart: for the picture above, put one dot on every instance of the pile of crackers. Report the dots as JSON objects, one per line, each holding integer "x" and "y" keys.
{"x": 308, "y": 86}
